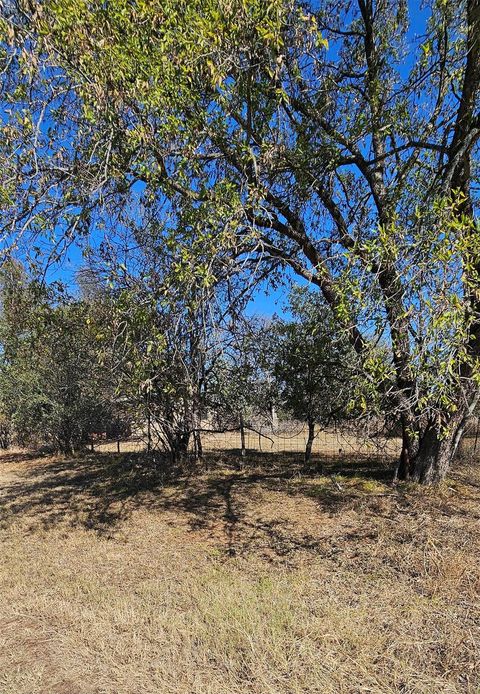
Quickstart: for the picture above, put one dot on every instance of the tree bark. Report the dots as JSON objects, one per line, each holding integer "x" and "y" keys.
{"x": 179, "y": 446}
{"x": 243, "y": 449}
{"x": 433, "y": 459}
{"x": 198, "y": 445}
{"x": 404, "y": 467}
{"x": 197, "y": 436}
{"x": 311, "y": 437}
{"x": 427, "y": 457}
{"x": 149, "y": 428}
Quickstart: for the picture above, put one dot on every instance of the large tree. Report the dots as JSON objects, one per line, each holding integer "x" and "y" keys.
{"x": 338, "y": 138}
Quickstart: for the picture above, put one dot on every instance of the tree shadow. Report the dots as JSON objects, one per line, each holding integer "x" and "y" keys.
{"x": 22, "y": 456}
{"x": 100, "y": 491}
{"x": 80, "y": 489}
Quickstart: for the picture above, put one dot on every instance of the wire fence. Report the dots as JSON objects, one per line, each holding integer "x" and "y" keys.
{"x": 339, "y": 442}
{"x": 470, "y": 444}
{"x": 289, "y": 437}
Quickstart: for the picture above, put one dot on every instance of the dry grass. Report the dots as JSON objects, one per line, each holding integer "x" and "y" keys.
{"x": 121, "y": 579}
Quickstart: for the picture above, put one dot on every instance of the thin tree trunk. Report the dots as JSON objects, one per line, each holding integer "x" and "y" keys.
{"x": 404, "y": 467}
{"x": 197, "y": 436}
{"x": 310, "y": 439}
{"x": 149, "y": 429}
{"x": 243, "y": 449}
{"x": 179, "y": 446}
{"x": 198, "y": 445}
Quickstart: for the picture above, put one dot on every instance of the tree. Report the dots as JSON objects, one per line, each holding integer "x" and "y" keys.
{"x": 52, "y": 387}
{"x": 240, "y": 391}
{"x": 314, "y": 365}
{"x": 165, "y": 328}
{"x": 324, "y": 137}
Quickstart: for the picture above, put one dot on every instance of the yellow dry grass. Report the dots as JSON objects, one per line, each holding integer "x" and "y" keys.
{"x": 117, "y": 578}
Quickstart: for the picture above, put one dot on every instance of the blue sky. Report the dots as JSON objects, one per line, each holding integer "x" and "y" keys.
{"x": 265, "y": 302}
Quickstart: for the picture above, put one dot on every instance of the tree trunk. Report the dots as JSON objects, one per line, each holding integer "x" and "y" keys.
{"x": 198, "y": 445}
{"x": 180, "y": 446}
{"x": 428, "y": 459}
{"x": 243, "y": 449}
{"x": 149, "y": 429}
{"x": 197, "y": 436}
{"x": 404, "y": 467}
{"x": 311, "y": 437}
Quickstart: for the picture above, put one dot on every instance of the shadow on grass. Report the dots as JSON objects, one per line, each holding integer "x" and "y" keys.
{"x": 99, "y": 491}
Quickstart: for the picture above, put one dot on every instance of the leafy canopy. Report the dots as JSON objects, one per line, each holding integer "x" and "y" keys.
{"x": 331, "y": 137}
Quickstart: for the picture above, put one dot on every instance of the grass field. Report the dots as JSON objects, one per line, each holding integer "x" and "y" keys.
{"x": 121, "y": 579}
